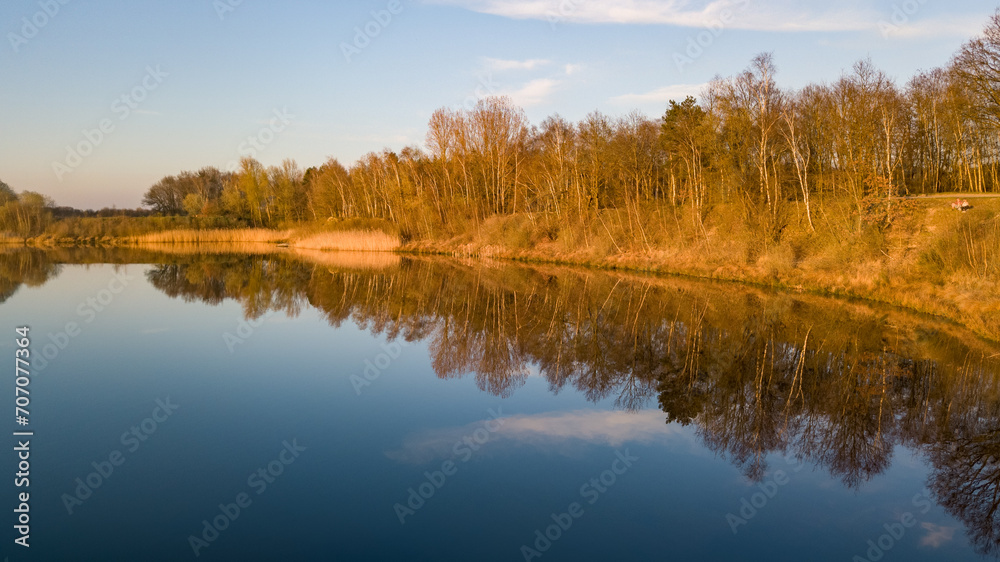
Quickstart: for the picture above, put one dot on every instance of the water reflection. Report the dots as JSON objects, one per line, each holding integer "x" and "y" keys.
{"x": 561, "y": 432}
{"x": 24, "y": 267}
{"x": 833, "y": 383}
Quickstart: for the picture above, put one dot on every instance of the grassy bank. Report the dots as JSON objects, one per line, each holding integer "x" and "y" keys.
{"x": 315, "y": 238}
{"x": 365, "y": 235}
{"x": 929, "y": 257}
{"x": 191, "y": 236}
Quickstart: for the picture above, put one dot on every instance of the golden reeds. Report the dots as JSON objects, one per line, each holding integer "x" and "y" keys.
{"x": 349, "y": 240}
{"x": 348, "y": 259}
{"x": 240, "y": 235}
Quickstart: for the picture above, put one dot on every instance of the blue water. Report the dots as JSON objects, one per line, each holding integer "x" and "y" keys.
{"x": 279, "y": 422}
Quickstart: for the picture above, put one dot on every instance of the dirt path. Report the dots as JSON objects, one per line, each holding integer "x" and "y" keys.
{"x": 952, "y": 196}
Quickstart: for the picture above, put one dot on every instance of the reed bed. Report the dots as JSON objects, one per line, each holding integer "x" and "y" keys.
{"x": 240, "y": 235}
{"x": 350, "y": 240}
{"x": 366, "y": 261}
{"x": 217, "y": 248}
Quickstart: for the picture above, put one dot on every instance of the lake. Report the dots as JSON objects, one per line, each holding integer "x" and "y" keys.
{"x": 267, "y": 405}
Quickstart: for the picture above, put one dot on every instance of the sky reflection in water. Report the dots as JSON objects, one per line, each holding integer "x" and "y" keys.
{"x": 805, "y": 424}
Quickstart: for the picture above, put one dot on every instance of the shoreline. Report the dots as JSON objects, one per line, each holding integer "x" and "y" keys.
{"x": 929, "y": 260}
{"x": 627, "y": 266}
{"x": 622, "y": 263}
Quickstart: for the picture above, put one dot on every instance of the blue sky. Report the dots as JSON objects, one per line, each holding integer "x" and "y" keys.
{"x": 201, "y": 77}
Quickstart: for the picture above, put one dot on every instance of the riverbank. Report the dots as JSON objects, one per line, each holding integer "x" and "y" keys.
{"x": 931, "y": 259}
{"x": 969, "y": 301}
{"x": 308, "y": 237}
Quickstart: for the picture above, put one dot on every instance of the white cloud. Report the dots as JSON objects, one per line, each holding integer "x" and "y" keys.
{"x": 572, "y": 69}
{"x": 547, "y": 431}
{"x": 501, "y": 65}
{"x": 776, "y": 15}
{"x": 938, "y": 27}
{"x": 660, "y": 95}
{"x": 533, "y": 93}
{"x": 936, "y": 535}
{"x": 603, "y": 428}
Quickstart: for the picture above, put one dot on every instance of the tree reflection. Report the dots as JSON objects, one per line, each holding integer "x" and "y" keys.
{"x": 24, "y": 266}
{"x": 966, "y": 482}
{"x": 833, "y": 383}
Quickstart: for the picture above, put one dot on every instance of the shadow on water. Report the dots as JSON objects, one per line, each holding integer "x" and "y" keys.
{"x": 838, "y": 384}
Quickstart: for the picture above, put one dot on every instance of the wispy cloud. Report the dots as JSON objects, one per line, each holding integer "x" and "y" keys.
{"x": 936, "y": 535}
{"x": 955, "y": 26}
{"x": 501, "y": 65}
{"x": 552, "y": 432}
{"x": 534, "y": 92}
{"x": 599, "y": 427}
{"x": 660, "y": 95}
{"x": 775, "y": 15}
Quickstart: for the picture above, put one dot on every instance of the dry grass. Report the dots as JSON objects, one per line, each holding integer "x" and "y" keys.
{"x": 349, "y": 260}
{"x": 334, "y": 260}
{"x": 217, "y": 248}
{"x": 350, "y": 240}
{"x": 242, "y": 236}
{"x": 260, "y": 240}
{"x": 932, "y": 259}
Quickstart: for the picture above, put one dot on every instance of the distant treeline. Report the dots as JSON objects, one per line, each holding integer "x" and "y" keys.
{"x": 29, "y": 213}
{"x": 862, "y": 139}
{"x": 106, "y": 212}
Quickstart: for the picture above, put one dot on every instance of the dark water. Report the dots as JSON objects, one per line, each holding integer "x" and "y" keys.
{"x": 380, "y": 408}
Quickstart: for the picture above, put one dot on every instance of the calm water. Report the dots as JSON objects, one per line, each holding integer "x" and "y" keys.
{"x": 339, "y": 407}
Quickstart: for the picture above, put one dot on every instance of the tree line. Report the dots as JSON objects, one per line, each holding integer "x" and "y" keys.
{"x": 862, "y": 140}
{"x": 23, "y": 214}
